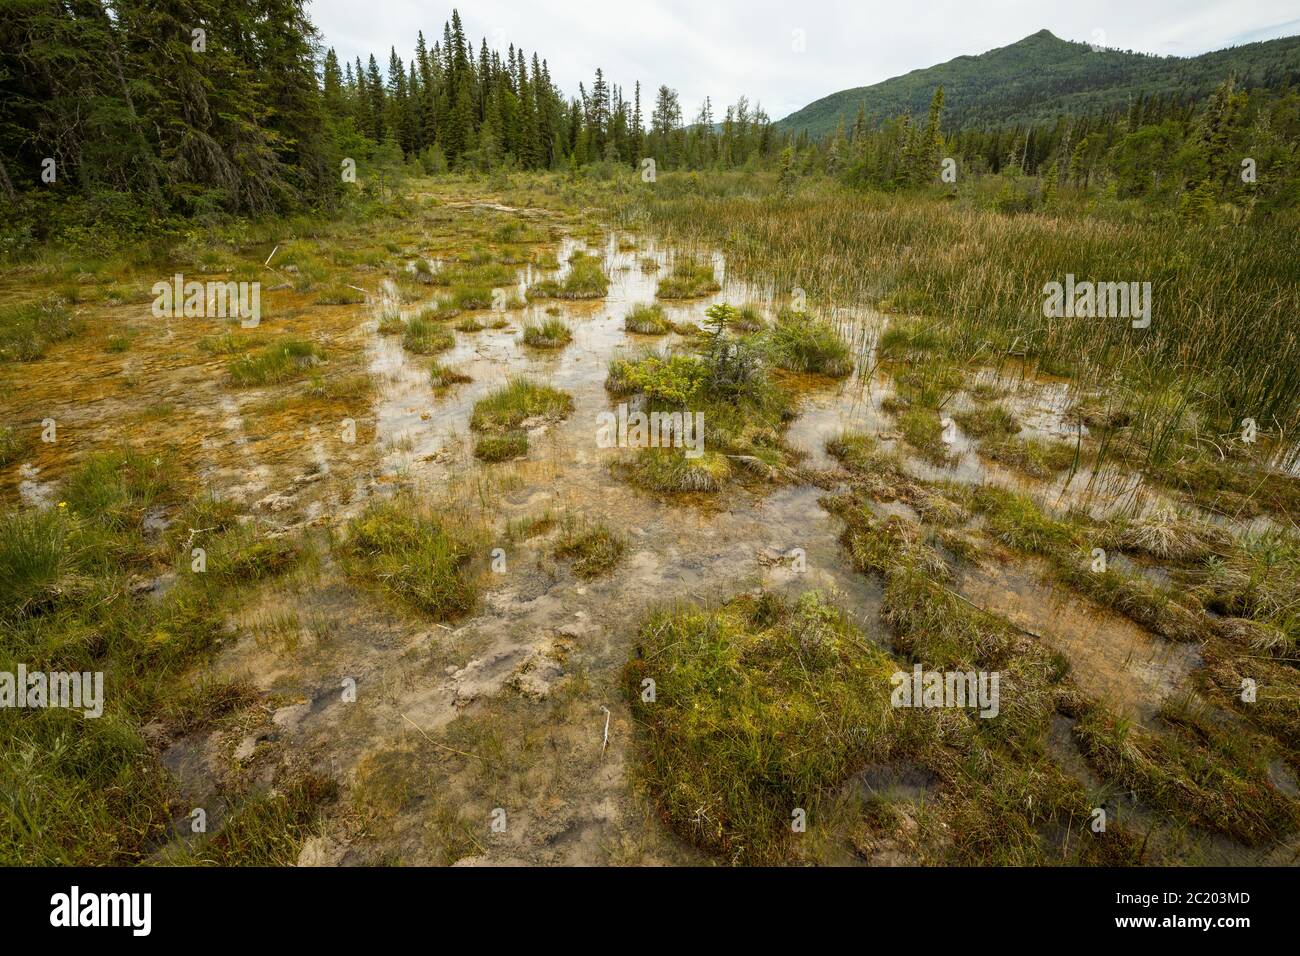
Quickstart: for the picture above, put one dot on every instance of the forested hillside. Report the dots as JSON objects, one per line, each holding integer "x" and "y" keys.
{"x": 1041, "y": 77}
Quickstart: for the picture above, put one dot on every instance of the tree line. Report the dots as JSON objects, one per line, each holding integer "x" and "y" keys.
{"x": 115, "y": 111}
{"x": 1238, "y": 147}
{"x": 193, "y": 107}
{"x": 452, "y": 108}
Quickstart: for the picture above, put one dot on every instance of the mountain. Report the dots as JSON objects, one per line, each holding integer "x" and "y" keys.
{"x": 1042, "y": 76}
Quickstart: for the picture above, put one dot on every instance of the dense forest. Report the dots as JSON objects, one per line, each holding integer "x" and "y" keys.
{"x": 118, "y": 113}
{"x": 113, "y": 111}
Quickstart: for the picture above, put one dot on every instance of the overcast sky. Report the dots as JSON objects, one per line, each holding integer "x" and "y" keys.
{"x": 725, "y": 48}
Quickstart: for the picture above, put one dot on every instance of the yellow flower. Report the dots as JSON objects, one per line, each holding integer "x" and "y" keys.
{"x": 63, "y": 504}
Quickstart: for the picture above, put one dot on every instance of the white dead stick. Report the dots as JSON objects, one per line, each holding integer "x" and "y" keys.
{"x": 605, "y": 743}
{"x": 272, "y": 255}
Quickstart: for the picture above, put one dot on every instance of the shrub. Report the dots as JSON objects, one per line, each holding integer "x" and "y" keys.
{"x": 674, "y": 379}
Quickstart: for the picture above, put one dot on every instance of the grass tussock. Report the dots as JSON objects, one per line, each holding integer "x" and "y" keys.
{"x": 748, "y": 318}
{"x": 688, "y": 279}
{"x": 340, "y": 294}
{"x": 341, "y": 388}
{"x": 586, "y": 279}
{"x": 424, "y": 337}
{"x": 1258, "y": 580}
{"x": 116, "y": 489}
{"x": 1167, "y": 535}
{"x": 924, "y": 430}
{"x": 931, "y": 385}
{"x": 647, "y": 320}
{"x": 438, "y": 312}
{"x": 13, "y": 445}
{"x": 874, "y": 467}
{"x": 515, "y": 403}
{"x": 1036, "y": 457}
{"x": 550, "y": 334}
{"x": 502, "y": 447}
{"x": 592, "y": 546}
{"x": 467, "y": 298}
{"x": 228, "y": 343}
{"x": 442, "y": 376}
{"x": 987, "y": 421}
{"x": 761, "y": 707}
{"x": 669, "y": 470}
{"x": 29, "y": 329}
{"x": 281, "y": 361}
{"x": 476, "y": 275}
{"x": 801, "y": 343}
{"x": 910, "y": 339}
{"x": 421, "y": 557}
{"x": 35, "y": 561}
